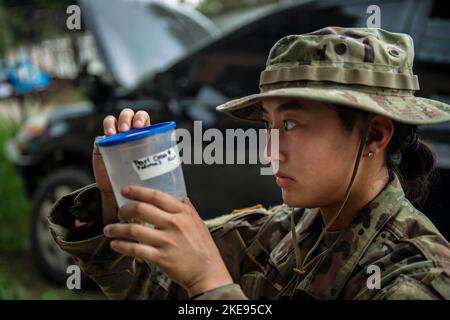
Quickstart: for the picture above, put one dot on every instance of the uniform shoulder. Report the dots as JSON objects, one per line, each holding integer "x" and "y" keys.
{"x": 252, "y": 214}
{"x": 412, "y": 226}
{"x": 413, "y": 255}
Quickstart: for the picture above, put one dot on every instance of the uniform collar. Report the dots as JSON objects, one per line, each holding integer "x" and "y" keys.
{"x": 328, "y": 273}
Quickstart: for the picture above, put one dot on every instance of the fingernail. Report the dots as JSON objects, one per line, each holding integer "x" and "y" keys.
{"x": 123, "y": 127}
{"x": 125, "y": 190}
{"x": 110, "y": 132}
{"x": 138, "y": 123}
{"x": 106, "y": 231}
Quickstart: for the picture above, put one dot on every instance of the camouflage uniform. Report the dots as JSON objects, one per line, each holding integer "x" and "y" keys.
{"x": 369, "y": 69}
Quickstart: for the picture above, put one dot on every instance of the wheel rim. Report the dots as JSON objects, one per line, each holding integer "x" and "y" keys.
{"x": 52, "y": 254}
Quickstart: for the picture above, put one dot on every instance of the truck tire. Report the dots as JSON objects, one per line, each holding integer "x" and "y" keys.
{"x": 48, "y": 258}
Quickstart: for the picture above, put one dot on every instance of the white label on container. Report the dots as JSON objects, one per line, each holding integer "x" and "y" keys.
{"x": 157, "y": 164}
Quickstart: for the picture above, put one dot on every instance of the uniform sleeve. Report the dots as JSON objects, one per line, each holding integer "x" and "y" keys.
{"x": 76, "y": 224}
{"x": 77, "y": 227}
{"x": 408, "y": 288}
{"x": 229, "y": 292}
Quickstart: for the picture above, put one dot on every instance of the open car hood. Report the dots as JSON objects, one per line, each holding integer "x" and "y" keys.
{"x": 140, "y": 38}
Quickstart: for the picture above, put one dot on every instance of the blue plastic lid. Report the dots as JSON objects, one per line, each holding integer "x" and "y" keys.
{"x": 136, "y": 134}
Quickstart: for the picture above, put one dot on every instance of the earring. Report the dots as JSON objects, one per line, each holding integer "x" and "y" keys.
{"x": 370, "y": 154}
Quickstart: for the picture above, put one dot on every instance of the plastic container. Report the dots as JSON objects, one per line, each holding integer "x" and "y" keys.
{"x": 146, "y": 156}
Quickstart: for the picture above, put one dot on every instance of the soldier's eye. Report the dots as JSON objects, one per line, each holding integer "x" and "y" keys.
{"x": 288, "y": 125}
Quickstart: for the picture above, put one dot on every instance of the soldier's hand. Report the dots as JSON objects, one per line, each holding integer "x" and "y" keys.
{"x": 180, "y": 244}
{"x": 128, "y": 120}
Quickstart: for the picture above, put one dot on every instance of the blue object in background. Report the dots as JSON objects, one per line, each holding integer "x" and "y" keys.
{"x": 26, "y": 78}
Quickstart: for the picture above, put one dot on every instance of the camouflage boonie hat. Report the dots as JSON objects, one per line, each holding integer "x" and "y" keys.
{"x": 364, "y": 68}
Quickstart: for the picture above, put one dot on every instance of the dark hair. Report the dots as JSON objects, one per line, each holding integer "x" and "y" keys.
{"x": 407, "y": 156}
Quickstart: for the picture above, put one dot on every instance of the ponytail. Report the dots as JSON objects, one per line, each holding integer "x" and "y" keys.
{"x": 413, "y": 162}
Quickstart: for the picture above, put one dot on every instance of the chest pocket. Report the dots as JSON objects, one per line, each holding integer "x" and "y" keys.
{"x": 265, "y": 282}
{"x": 256, "y": 286}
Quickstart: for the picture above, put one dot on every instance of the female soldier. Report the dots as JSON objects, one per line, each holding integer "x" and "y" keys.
{"x": 342, "y": 100}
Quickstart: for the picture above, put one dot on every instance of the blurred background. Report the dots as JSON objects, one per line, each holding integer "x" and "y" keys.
{"x": 63, "y": 69}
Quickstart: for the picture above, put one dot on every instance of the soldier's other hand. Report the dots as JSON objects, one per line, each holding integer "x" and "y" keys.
{"x": 180, "y": 244}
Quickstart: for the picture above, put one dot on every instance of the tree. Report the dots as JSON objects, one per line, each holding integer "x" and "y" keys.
{"x": 29, "y": 21}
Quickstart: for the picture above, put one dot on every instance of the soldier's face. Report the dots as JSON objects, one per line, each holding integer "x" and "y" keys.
{"x": 316, "y": 154}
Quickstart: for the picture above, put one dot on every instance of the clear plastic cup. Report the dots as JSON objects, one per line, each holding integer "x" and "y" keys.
{"x": 148, "y": 157}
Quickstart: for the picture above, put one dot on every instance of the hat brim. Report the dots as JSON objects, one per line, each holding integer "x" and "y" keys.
{"x": 401, "y": 108}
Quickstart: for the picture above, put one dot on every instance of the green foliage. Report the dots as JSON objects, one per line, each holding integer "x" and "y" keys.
{"x": 37, "y": 3}
{"x": 4, "y": 292}
{"x": 31, "y": 21}
{"x": 14, "y": 210}
{"x": 24, "y": 284}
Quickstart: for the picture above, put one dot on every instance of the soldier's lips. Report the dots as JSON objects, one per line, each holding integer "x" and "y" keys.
{"x": 283, "y": 181}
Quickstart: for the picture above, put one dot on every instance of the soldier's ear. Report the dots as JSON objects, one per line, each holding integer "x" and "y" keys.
{"x": 379, "y": 135}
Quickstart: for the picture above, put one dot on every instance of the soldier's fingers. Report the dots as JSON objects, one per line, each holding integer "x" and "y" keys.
{"x": 125, "y": 118}
{"x": 96, "y": 151}
{"x": 109, "y": 125}
{"x": 145, "y": 212}
{"x": 155, "y": 197}
{"x": 188, "y": 202}
{"x": 137, "y": 250}
{"x": 135, "y": 232}
{"x": 141, "y": 119}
